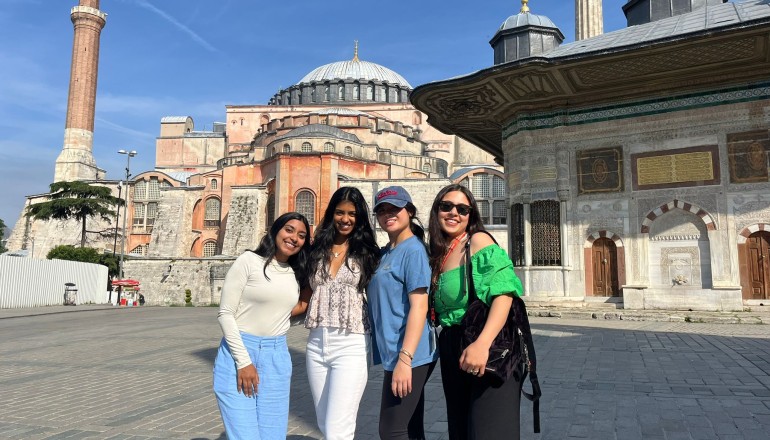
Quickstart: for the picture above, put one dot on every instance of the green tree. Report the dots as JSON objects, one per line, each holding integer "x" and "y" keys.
{"x": 2, "y": 236}
{"x": 76, "y": 200}
{"x": 85, "y": 255}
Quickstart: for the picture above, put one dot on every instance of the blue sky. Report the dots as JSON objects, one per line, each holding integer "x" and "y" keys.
{"x": 193, "y": 57}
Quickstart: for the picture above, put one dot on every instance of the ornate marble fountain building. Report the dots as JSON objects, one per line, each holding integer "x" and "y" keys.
{"x": 636, "y": 161}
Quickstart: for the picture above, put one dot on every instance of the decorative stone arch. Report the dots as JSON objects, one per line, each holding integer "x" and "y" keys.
{"x": 603, "y": 234}
{"x": 588, "y": 257}
{"x": 707, "y": 218}
{"x": 748, "y": 230}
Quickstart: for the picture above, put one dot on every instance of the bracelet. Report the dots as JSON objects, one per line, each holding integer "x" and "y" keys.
{"x": 409, "y": 355}
{"x": 405, "y": 362}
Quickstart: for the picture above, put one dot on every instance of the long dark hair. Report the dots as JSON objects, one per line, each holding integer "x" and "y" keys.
{"x": 362, "y": 246}
{"x": 298, "y": 261}
{"x": 438, "y": 240}
{"x": 414, "y": 223}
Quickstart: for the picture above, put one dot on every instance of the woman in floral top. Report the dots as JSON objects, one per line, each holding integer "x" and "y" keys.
{"x": 342, "y": 261}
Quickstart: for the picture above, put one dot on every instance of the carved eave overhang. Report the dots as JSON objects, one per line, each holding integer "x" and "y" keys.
{"x": 477, "y": 106}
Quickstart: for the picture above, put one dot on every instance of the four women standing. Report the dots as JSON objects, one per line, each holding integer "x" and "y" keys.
{"x": 261, "y": 292}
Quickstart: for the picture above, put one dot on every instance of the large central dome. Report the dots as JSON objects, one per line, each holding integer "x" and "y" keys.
{"x": 354, "y": 69}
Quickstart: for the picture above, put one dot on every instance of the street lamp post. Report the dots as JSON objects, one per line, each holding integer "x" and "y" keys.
{"x": 129, "y": 155}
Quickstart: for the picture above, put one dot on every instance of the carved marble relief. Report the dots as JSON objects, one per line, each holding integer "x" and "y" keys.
{"x": 747, "y": 153}
{"x": 600, "y": 170}
{"x": 749, "y": 213}
{"x": 681, "y": 266}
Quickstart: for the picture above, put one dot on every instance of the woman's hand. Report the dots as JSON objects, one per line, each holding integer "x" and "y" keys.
{"x": 248, "y": 379}
{"x": 474, "y": 358}
{"x": 402, "y": 379}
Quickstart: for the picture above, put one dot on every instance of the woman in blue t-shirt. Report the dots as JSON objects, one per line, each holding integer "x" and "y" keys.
{"x": 398, "y": 306}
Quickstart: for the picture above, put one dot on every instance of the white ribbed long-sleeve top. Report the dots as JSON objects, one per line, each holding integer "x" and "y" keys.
{"x": 253, "y": 304}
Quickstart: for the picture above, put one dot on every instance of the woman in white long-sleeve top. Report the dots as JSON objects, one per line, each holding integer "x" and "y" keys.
{"x": 252, "y": 371}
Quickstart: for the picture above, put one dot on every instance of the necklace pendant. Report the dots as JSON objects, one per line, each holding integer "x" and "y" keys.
{"x": 336, "y": 254}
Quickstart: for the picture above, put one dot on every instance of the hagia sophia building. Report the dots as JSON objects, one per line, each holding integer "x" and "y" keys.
{"x": 628, "y": 168}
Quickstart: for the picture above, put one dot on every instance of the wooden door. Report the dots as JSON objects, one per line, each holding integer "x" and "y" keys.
{"x": 758, "y": 253}
{"x": 605, "y": 268}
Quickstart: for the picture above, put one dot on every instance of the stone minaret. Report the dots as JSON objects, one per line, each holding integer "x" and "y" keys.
{"x": 76, "y": 161}
{"x": 588, "y": 19}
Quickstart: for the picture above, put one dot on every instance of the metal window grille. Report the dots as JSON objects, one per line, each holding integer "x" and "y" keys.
{"x": 209, "y": 248}
{"x": 139, "y": 250}
{"x": 306, "y": 147}
{"x": 546, "y": 233}
{"x": 211, "y": 218}
{"x": 426, "y": 168}
{"x": 165, "y": 184}
{"x": 139, "y": 210}
{"x": 286, "y": 148}
{"x": 305, "y": 205}
{"x": 152, "y": 213}
{"x": 481, "y": 185}
{"x": 328, "y": 147}
{"x": 499, "y": 213}
{"x": 348, "y": 151}
{"x": 517, "y": 235}
{"x": 140, "y": 190}
{"x": 153, "y": 189}
{"x": 214, "y": 183}
{"x": 441, "y": 169}
{"x": 270, "y": 209}
{"x": 464, "y": 182}
{"x": 498, "y": 187}
{"x": 483, "y": 210}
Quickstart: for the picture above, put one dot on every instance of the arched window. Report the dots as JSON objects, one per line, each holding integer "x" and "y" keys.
{"x": 153, "y": 189}
{"x": 328, "y": 147}
{"x": 305, "y": 205}
{"x": 441, "y": 169}
{"x": 140, "y": 190}
{"x": 306, "y": 147}
{"x": 356, "y": 92}
{"x": 341, "y": 92}
{"x": 286, "y": 148}
{"x": 211, "y": 218}
{"x": 312, "y": 94}
{"x": 326, "y": 92}
{"x": 139, "y": 250}
{"x": 270, "y": 209}
{"x": 209, "y": 248}
{"x": 348, "y": 150}
{"x": 213, "y": 183}
{"x": 426, "y": 167}
{"x": 370, "y": 92}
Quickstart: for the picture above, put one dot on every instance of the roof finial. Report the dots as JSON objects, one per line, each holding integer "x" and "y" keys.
{"x": 524, "y": 7}
{"x": 355, "y": 52}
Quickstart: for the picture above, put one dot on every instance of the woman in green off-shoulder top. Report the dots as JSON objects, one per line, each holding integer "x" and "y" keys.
{"x": 477, "y": 408}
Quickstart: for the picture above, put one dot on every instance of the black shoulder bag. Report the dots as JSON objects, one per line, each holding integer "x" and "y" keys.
{"x": 513, "y": 351}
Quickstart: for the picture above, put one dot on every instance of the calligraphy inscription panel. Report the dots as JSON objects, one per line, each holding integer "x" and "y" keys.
{"x": 694, "y": 166}
{"x": 747, "y": 153}
{"x": 600, "y": 170}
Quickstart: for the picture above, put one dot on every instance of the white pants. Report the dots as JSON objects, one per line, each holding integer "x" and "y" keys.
{"x": 337, "y": 371}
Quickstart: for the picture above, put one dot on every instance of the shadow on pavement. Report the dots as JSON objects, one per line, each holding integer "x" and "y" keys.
{"x": 222, "y": 436}
{"x": 207, "y": 354}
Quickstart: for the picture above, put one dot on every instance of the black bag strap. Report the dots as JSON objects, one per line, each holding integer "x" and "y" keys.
{"x": 525, "y": 333}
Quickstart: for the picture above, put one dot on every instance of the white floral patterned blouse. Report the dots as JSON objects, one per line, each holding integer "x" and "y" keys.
{"x": 336, "y": 302}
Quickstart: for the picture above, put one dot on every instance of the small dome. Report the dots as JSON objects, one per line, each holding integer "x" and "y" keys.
{"x": 526, "y": 19}
{"x": 355, "y": 69}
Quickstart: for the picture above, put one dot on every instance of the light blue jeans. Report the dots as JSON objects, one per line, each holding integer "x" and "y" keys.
{"x": 266, "y": 415}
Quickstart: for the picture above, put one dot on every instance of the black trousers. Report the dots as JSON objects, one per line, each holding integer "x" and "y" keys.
{"x": 476, "y": 408}
{"x": 402, "y": 419}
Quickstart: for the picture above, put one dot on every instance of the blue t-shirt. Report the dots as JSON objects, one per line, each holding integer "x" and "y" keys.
{"x": 402, "y": 269}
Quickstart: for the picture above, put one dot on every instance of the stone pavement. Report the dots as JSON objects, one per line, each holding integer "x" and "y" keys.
{"x": 145, "y": 373}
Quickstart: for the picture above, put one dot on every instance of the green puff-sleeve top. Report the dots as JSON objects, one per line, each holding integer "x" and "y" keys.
{"x": 492, "y": 275}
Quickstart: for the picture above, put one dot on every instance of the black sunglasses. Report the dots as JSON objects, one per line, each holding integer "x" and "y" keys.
{"x": 445, "y": 206}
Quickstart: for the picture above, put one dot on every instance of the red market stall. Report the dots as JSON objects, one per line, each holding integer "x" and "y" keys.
{"x": 129, "y": 291}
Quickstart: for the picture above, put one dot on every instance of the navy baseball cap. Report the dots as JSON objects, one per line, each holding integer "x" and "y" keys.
{"x": 394, "y": 195}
